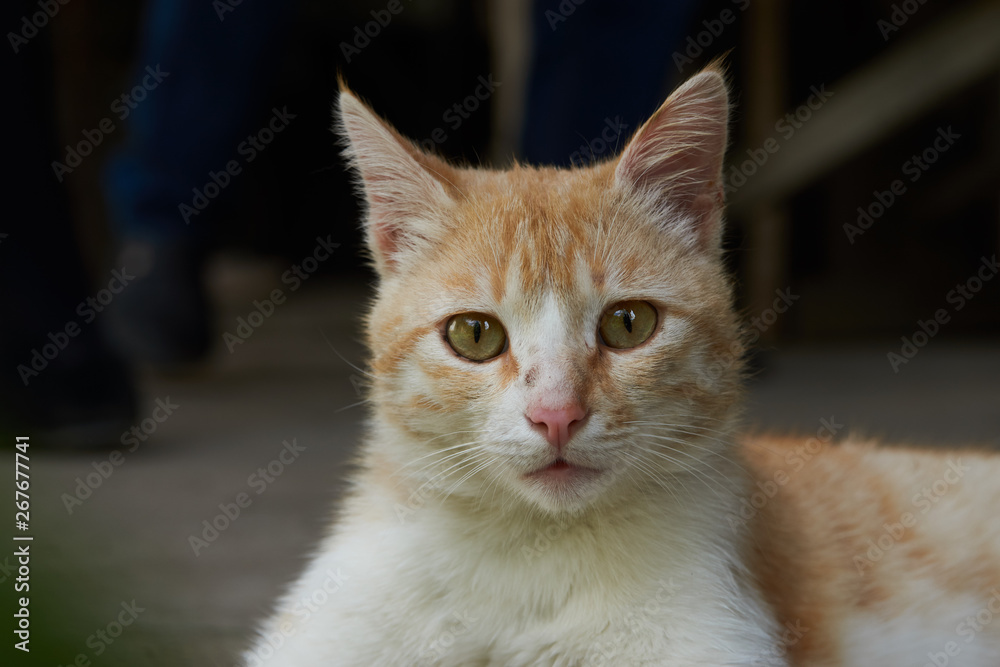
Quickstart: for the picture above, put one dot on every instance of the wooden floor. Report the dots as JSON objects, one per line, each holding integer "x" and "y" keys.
{"x": 130, "y": 541}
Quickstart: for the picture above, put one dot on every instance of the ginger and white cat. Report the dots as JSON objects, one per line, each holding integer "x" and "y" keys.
{"x": 551, "y": 474}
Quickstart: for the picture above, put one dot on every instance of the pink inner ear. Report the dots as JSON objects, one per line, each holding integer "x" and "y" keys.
{"x": 386, "y": 227}
{"x": 677, "y": 156}
{"x": 679, "y": 150}
{"x": 399, "y": 182}
{"x": 673, "y": 154}
{"x": 385, "y": 236}
{"x": 384, "y": 222}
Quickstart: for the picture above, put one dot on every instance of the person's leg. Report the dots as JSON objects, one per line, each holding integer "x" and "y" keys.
{"x": 211, "y": 75}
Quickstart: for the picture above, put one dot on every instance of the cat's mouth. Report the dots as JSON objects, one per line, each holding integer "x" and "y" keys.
{"x": 560, "y": 472}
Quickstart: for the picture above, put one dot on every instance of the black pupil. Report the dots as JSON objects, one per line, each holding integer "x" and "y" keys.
{"x": 627, "y": 319}
{"x": 477, "y": 330}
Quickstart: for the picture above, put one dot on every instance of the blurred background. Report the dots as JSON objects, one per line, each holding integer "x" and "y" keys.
{"x": 182, "y": 270}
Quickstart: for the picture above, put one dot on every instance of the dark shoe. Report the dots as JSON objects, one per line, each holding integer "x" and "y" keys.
{"x": 161, "y": 317}
{"x": 83, "y": 397}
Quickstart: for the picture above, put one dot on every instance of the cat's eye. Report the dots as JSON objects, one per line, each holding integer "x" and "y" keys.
{"x": 476, "y": 336}
{"x": 627, "y": 324}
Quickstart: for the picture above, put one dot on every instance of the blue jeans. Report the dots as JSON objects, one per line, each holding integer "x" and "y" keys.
{"x": 205, "y": 68}
{"x": 599, "y": 69}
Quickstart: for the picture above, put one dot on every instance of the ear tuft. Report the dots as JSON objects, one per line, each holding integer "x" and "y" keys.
{"x": 675, "y": 159}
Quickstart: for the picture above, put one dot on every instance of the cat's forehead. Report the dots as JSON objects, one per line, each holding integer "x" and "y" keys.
{"x": 548, "y": 229}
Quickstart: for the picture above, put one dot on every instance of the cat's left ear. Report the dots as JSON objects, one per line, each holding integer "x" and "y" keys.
{"x": 406, "y": 189}
{"x": 674, "y": 161}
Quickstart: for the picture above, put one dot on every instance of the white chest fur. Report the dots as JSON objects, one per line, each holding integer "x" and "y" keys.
{"x": 636, "y": 588}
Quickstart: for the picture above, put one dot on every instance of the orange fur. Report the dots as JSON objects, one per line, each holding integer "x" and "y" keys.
{"x": 813, "y": 553}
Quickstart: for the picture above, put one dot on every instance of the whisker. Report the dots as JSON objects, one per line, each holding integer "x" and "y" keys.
{"x": 492, "y": 485}
{"x": 473, "y": 451}
{"x": 343, "y": 358}
{"x": 434, "y": 481}
{"x": 657, "y": 472}
{"x": 467, "y": 475}
{"x": 352, "y": 405}
{"x": 687, "y": 443}
{"x": 644, "y": 466}
{"x": 441, "y": 461}
{"x": 705, "y": 478}
{"x": 692, "y": 456}
{"x": 438, "y": 451}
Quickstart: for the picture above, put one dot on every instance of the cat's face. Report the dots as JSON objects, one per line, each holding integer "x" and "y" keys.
{"x": 552, "y": 334}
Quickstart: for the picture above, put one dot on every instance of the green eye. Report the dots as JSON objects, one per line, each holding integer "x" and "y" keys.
{"x": 476, "y": 336}
{"x": 627, "y": 324}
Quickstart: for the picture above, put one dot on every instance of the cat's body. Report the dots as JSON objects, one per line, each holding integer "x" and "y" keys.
{"x": 881, "y": 554}
{"x": 570, "y": 491}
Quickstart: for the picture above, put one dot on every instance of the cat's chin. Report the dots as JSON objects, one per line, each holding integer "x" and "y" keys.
{"x": 563, "y": 485}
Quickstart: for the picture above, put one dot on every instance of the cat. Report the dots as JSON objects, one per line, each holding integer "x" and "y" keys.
{"x": 552, "y": 472}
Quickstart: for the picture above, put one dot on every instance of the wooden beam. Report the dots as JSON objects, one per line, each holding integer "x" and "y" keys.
{"x": 871, "y": 103}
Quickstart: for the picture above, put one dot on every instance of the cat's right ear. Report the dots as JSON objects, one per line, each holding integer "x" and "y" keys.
{"x": 674, "y": 161}
{"x": 405, "y": 189}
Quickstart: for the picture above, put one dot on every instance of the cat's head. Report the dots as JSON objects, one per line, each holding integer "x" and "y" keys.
{"x": 561, "y": 336}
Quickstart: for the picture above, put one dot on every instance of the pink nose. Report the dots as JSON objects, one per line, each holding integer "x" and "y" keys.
{"x": 558, "y": 425}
